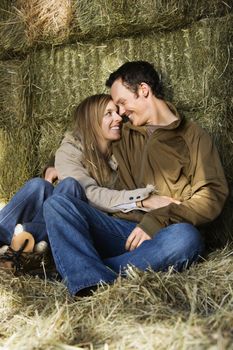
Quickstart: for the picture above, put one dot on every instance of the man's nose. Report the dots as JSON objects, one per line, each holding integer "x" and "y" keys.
{"x": 121, "y": 110}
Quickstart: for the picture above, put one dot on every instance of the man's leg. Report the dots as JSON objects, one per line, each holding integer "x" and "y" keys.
{"x": 23, "y": 207}
{"x": 177, "y": 245}
{"x": 80, "y": 237}
{"x": 86, "y": 242}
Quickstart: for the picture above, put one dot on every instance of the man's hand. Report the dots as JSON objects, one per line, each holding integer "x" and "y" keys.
{"x": 51, "y": 174}
{"x": 135, "y": 239}
{"x": 156, "y": 202}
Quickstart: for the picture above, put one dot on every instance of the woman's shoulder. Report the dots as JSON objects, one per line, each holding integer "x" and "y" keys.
{"x": 70, "y": 139}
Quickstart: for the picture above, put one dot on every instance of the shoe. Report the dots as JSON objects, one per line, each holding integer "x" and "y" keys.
{"x": 41, "y": 247}
{"x": 11, "y": 259}
{"x": 3, "y": 249}
{"x": 24, "y": 256}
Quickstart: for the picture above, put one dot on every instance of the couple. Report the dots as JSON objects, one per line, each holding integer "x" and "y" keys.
{"x": 157, "y": 147}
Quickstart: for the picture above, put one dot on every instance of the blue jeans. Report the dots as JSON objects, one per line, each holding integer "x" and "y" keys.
{"x": 88, "y": 245}
{"x": 26, "y": 207}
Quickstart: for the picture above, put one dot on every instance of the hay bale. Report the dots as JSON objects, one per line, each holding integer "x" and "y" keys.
{"x": 12, "y": 30}
{"x": 17, "y": 133}
{"x": 45, "y": 21}
{"x": 13, "y": 92}
{"x": 195, "y": 63}
{"x": 51, "y": 134}
{"x": 40, "y": 22}
{"x": 99, "y": 19}
{"x": 17, "y": 159}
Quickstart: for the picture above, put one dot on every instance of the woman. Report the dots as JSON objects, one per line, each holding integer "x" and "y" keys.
{"x": 85, "y": 155}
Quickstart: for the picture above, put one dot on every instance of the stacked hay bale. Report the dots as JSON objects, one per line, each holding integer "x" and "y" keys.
{"x": 70, "y": 47}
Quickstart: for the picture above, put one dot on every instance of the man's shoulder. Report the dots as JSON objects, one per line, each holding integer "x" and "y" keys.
{"x": 189, "y": 126}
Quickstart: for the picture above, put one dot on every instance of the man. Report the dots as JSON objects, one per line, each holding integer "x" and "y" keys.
{"x": 158, "y": 147}
{"x": 161, "y": 148}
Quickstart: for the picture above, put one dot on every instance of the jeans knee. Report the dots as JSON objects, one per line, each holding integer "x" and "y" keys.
{"x": 71, "y": 186}
{"x": 51, "y": 203}
{"x": 189, "y": 240}
{"x": 37, "y": 184}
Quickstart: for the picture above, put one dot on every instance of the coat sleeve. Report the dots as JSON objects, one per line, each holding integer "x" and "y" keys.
{"x": 68, "y": 164}
{"x": 209, "y": 189}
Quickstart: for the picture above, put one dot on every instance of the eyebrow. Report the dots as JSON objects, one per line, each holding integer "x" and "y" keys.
{"x": 111, "y": 109}
{"x": 121, "y": 100}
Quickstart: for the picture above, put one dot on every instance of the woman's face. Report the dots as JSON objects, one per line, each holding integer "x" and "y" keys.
{"x": 111, "y": 123}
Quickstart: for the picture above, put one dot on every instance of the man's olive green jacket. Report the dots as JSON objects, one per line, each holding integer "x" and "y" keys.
{"x": 182, "y": 162}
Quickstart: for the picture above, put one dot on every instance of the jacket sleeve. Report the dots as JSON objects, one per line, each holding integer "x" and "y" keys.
{"x": 68, "y": 164}
{"x": 209, "y": 190}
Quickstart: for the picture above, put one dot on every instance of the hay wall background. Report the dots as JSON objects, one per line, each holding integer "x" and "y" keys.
{"x": 55, "y": 53}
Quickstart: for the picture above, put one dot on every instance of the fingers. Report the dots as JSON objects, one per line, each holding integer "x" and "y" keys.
{"x": 136, "y": 238}
{"x": 175, "y": 201}
{"x": 51, "y": 175}
{"x": 131, "y": 242}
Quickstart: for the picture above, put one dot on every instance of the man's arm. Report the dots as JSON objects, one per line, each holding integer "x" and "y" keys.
{"x": 50, "y": 174}
{"x": 209, "y": 191}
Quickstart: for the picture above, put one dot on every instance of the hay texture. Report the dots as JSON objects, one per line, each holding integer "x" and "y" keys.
{"x": 190, "y": 310}
{"x": 13, "y": 92}
{"x": 17, "y": 160}
{"x": 40, "y": 22}
{"x": 17, "y": 133}
{"x": 196, "y": 67}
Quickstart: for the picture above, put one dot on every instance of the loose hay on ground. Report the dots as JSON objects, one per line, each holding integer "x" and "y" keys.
{"x": 189, "y": 310}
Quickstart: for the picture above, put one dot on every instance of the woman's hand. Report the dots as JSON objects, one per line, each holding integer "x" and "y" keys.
{"x": 156, "y": 202}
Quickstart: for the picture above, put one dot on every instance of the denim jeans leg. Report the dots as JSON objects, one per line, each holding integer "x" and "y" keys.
{"x": 72, "y": 187}
{"x": 177, "y": 245}
{"x": 80, "y": 237}
{"x": 23, "y": 207}
{"x": 37, "y": 225}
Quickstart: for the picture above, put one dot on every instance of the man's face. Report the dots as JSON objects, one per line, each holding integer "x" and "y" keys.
{"x": 129, "y": 104}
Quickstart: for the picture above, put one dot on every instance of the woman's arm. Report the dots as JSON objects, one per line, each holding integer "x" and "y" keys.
{"x": 68, "y": 164}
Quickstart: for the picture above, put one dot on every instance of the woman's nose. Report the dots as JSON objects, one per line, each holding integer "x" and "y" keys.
{"x": 117, "y": 117}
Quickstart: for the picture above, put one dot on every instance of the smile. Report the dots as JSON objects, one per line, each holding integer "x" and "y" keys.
{"x": 115, "y": 128}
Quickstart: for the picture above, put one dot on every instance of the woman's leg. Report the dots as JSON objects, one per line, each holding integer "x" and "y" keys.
{"x": 23, "y": 207}
{"x": 37, "y": 225}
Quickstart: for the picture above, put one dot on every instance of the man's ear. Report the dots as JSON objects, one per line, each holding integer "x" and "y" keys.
{"x": 145, "y": 89}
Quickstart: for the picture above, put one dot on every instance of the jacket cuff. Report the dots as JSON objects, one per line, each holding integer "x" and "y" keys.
{"x": 150, "y": 225}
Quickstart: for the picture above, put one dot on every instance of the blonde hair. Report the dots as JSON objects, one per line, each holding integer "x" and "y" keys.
{"x": 87, "y": 128}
